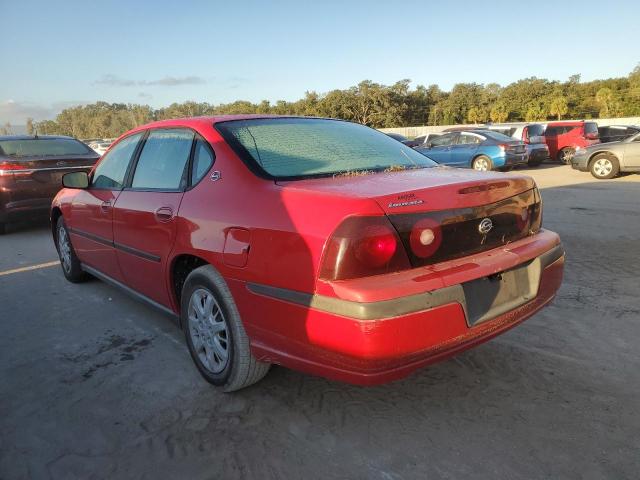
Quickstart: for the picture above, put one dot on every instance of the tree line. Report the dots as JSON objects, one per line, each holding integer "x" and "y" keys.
{"x": 380, "y": 106}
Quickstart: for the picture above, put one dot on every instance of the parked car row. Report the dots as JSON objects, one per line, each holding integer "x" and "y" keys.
{"x": 99, "y": 146}
{"x": 479, "y": 147}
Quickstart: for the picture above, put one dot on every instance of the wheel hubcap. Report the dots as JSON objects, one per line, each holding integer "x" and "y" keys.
{"x": 208, "y": 331}
{"x": 603, "y": 167}
{"x": 481, "y": 164}
{"x": 64, "y": 247}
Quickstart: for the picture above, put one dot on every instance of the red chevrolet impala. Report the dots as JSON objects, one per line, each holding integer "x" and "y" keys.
{"x": 318, "y": 244}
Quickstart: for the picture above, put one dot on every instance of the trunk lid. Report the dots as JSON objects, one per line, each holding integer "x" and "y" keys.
{"x": 421, "y": 190}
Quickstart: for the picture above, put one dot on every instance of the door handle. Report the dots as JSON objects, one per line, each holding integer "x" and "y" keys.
{"x": 105, "y": 206}
{"x": 164, "y": 214}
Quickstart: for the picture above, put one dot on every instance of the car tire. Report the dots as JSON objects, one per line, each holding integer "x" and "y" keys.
{"x": 215, "y": 336}
{"x": 564, "y": 156}
{"x": 482, "y": 163}
{"x": 71, "y": 267}
{"x": 604, "y": 167}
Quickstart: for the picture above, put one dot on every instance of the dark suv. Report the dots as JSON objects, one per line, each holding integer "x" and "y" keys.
{"x": 31, "y": 169}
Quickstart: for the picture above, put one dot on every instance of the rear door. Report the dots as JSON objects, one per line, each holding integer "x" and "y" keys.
{"x": 91, "y": 214}
{"x": 464, "y": 149}
{"x": 144, "y": 223}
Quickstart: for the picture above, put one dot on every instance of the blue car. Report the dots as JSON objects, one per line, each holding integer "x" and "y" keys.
{"x": 478, "y": 149}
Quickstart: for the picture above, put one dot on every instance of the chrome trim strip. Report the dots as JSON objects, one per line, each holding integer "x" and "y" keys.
{"x": 128, "y": 290}
{"x": 414, "y": 303}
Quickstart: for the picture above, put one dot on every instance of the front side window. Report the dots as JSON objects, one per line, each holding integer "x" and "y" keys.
{"x": 163, "y": 160}
{"x": 112, "y": 169}
{"x": 443, "y": 140}
{"x": 311, "y": 147}
{"x": 43, "y": 147}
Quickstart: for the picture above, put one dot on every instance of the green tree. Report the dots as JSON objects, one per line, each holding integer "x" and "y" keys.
{"x": 536, "y": 112}
{"x": 558, "y": 107}
{"x": 500, "y": 112}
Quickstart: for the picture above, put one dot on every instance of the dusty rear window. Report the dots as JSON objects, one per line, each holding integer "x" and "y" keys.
{"x": 308, "y": 147}
{"x": 34, "y": 147}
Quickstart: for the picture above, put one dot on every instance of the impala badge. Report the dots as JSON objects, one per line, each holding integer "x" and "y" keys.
{"x": 485, "y": 226}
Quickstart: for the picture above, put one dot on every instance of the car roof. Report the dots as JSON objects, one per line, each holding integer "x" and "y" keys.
{"x": 569, "y": 123}
{"x": 213, "y": 119}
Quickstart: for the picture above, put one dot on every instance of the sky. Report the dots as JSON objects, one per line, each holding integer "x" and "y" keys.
{"x": 59, "y": 54}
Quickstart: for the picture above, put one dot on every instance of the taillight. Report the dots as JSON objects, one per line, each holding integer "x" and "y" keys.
{"x": 9, "y": 167}
{"x": 525, "y": 134}
{"x": 363, "y": 246}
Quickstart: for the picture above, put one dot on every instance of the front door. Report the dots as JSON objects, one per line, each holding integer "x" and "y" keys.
{"x": 632, "y": 153}
{"x": 91, "y": 215}
{"x": 144, "y": 222}
{"x": 440, "y": 148}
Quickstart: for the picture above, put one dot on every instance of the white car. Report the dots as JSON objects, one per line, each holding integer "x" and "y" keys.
{"x": 100, "y": 147}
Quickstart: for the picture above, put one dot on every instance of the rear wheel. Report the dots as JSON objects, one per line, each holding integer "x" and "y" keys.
{"x": 482, "y": 163}
{"x": 604, "y": 167}
{"x": 216, "y": 338}
{"x": 565, "y": 155}
{"x": 68, "y": 260}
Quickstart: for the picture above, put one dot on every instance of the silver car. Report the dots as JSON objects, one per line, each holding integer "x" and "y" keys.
{"x": 606, "y": 160}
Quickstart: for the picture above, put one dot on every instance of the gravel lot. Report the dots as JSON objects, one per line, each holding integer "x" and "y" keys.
{"x": 96, "y": 385}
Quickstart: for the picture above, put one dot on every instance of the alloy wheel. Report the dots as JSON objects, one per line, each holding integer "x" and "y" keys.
{"x": 481, "y": 164}
{"x": 208, "y": 330}
{"x": 64, "y": 247}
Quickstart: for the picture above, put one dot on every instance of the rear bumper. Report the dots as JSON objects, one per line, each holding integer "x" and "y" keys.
{"x": 539, "y": 155}
{"x": 374, "y": 342}
{"x": 511, "y": 159}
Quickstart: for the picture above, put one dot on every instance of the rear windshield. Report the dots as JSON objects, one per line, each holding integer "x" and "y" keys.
{"x": 590, "y": 127}
{"x": 308, "y": 147}
{"x": 535, "y": 130}
{"x": 32, "y": 147}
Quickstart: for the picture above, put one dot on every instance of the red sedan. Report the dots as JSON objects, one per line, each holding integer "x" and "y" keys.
{"x": 317, "y": 244}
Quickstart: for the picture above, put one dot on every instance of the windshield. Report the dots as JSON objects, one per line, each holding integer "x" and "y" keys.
{"x": 309, "y": 147}
{"x": 33, "y": 147}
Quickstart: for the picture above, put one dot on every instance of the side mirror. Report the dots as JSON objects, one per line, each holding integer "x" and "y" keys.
{"x": 75, "y": 180}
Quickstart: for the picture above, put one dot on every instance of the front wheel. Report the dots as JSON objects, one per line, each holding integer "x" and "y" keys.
{"x": 565, "y": 155}
{"x": 482, "y": 163}
{"x": 604, "y": 167}
{"x": 217, "y": 341}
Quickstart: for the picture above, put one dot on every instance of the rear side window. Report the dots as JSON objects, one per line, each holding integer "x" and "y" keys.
{"x": 466, "y": 139}
{"x": 33, "y": 147}
{"x": 202, "y": 160}
{"x": 163, "y": 160}
{"x": 112, "y": 169}
{"x": 535, "y": 130}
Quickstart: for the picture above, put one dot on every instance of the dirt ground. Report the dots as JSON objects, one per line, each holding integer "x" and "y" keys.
{"x": 96, "y": 385}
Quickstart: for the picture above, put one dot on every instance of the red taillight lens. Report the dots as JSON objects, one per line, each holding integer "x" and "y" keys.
{"x": 377, "y": 245}
{"x": 425, "y": 237}
{"x": 8, "y": 167}
{"x": 363, "y": 246}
